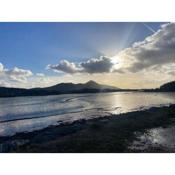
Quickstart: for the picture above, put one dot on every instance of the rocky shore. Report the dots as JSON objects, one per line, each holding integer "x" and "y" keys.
{"x": 110, "y": 134}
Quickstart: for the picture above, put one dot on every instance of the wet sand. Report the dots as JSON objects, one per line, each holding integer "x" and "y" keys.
{"x": 122, "y": 133}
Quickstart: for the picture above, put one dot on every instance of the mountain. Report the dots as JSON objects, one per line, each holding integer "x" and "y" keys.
{"x": 62, "y": 88}
{"x": 168, "y": 87}
{"x": 70, "y": 87}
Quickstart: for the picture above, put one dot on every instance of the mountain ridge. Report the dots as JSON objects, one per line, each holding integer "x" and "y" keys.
{"x": 61, "y": 88}
{"x": 69, "y": 88}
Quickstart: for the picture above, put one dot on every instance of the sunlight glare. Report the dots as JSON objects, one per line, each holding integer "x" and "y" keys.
{"x": 116, "y": 61}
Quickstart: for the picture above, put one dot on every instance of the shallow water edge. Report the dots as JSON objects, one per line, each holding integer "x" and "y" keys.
{"x": 109, "y": 134}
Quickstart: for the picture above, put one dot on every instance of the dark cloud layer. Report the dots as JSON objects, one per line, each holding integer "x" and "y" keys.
{"x": 100, "y": 65}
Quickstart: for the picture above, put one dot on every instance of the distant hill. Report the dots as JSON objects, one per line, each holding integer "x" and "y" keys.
{"x": 170, "y": 87}
{"x": 62, "y": 88}
{"x": 70, "y": 87}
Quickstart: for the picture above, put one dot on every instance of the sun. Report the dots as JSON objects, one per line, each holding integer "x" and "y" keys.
{"x": 116, "y": 61}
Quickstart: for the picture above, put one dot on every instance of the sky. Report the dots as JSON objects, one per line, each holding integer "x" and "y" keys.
{"x": 126, "y": 55}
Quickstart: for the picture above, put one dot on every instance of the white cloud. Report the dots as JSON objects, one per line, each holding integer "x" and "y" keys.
{"x": 13, "y": 75}
{"x": 91, "y": 66}
{"x": 17, "y": 74}
{"x": 1, "y": 67}
{"x": 64, "y": 66}
{"x": 155, "y": 51}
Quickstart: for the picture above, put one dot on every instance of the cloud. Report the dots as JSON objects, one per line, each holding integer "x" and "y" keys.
{"x": 139, "y": 66}
{"x": 1, "y": 67}
{"x": 64, "y": 66}
{"x": 100, "y": 65}
{"x": 155, "y": 51}
{"x": 15, "y": 74}
{"x": 91, "y": 66}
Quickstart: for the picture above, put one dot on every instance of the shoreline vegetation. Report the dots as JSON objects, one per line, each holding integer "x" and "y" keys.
{"x": 110, "y": 134}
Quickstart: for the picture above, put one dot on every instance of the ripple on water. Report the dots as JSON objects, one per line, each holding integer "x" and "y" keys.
{"x": 22, "y": 114}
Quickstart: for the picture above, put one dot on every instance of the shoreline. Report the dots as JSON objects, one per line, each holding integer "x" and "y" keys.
{"x": 99, "y": 92}
{"x": 109, "y": 134}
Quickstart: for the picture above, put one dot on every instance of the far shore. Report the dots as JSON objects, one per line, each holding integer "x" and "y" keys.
{"x": 110, "y": 134}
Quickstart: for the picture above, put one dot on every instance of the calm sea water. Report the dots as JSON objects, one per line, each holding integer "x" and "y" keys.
{"x": 24, "y": 114}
